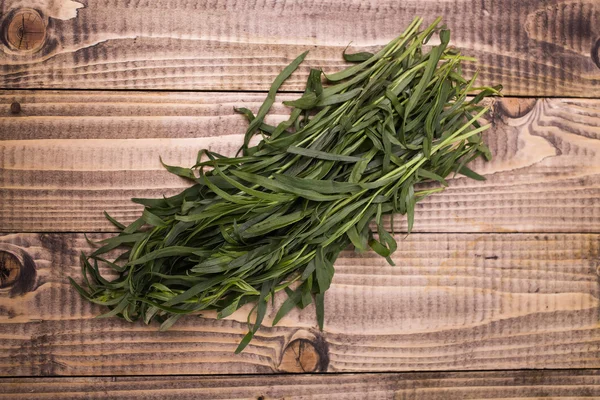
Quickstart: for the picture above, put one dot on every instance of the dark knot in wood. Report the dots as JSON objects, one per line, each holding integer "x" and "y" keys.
{"x": 595, "y": 53}
{"x": 299, "y": 356}
{"x": 515, "y": 107}
{"x": 17, "y": 270}
{"x": 26, "y": 31}
{"x": 15, "y": 108}
{"x": 10, "y": 269}
{"x": 308, "y": 353}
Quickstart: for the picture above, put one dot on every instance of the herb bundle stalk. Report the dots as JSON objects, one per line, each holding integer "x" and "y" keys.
{"x": 276, "y": 217}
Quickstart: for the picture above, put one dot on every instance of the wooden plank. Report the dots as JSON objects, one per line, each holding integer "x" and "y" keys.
{"x": 453, "y": 302}
{"x": 407, "y": 386}
{"x": 67, "y": 156}
{"x": 534, "y": 48}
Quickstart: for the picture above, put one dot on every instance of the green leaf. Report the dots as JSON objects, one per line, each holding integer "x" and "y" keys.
{"x": 182, "y": 172}
{"x": 464, "y": 170}
{"x": 230, "y": 309}
{"x": 272, "y": 224}
{"x": 379, "y": 248}
{"x": 114, "y": 221}
{"x": 152, "y": 219}
{"x": 245, "y": 341}
{"x": 321, "y": 155}
{"x": 291, "y": 302}
{"x": 261, "y": 308}
{"x": 431, "y": 175}
{"x": 172, "y": 251}
{"x": 357, "y": 57}
{"x": 434, "y": 58}
{"x": 360, "y": 167}
{"x": 193, "y": 291}
{"x": 306, "y": 102}
{"x": 246, "y": 112}
{"x": 338, "y": 98}
{"x": 264, "y": 109}
{"x": 320, "y": 308}
{"x": 169, "y": 322}
{"x": 318, "y": 185}
{"x": 274, "y": 185}
{"x": 359, "y": 242}
{"x": 324, "y": 271}
{"x": 117, "y": 310}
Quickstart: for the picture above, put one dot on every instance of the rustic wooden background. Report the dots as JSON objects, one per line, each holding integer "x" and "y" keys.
{"x": 495, "y": 295}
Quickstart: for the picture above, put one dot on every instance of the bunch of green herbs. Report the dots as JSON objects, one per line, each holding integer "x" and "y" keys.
{"x": 276, "y": 217}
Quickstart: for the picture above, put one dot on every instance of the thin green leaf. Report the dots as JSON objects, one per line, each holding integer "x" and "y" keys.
{"x": 357, "y": 57}
{"x": 282, "y": 77}
{"x": 321, "y": 155}
{"x": 464, "y": 170}
{"x": 291, "y": 302}
{"x": 320, "y": 308}
{"x": 114, "y": 221}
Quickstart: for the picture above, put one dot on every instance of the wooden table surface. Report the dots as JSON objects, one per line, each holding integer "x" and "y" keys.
{"x": 495, "y": 295}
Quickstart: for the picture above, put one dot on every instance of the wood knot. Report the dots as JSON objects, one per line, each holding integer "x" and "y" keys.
{"x": 515, "y": 107}
{"x": 17, "y": 270}
{"x": 10, "y": 269}
{"x": 595, "y": 53}
{"x": 299, "y": 356}
{"x": 15, "y": 108}
{"x": 26, "y": 31}
{"x": 307, "y": 351}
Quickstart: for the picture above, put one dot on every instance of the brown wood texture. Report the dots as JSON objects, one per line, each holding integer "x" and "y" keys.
{"x": 67, "y": 156}
{"x": 534, "y": 48}
{"x": 453, "y": 302}
{"x": 408, "y": 386}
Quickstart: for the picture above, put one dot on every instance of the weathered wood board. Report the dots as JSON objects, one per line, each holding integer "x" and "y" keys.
{"x": 533, "y": 48}
{"x": 68, "y": 156}
{"x": 501, "y": 274}
{"x": 453, "y": 302}
{"x": 499, "y": 385}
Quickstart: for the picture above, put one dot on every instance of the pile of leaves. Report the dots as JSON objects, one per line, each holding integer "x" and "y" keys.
{"x": 276, "y": 217}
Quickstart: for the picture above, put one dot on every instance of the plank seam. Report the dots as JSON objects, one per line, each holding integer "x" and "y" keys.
{"x": 374, "y": 373}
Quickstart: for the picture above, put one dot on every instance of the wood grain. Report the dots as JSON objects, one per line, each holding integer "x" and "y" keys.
{"x": 67, "y": 156}
{"x": 534, "y": 48}
{"x": 453, "y": 302}
{"x": 407, "y": 386}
